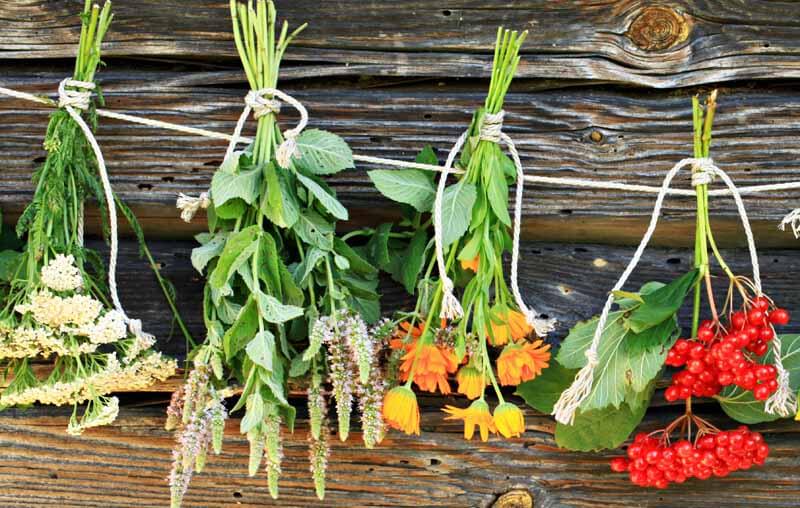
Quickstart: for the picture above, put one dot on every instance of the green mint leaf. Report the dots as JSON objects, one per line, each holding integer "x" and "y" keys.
{"x": 273, "y": 311}
{"x": 322, "y": 153}
{"x": 210, "y": 249}
{"x": 238, "y": 249}
{"x": 261, "y": 349}
{"x": 313, "y": 229}
{"x": 243, "y": 185}
{"x": 496, "y": 186}
{"x": 242, "y": 330}
{"x": 410, "y": 186}
{"x": 330, "y": 203}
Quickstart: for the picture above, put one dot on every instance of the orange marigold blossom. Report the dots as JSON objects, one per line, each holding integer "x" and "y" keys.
{"x": 508, "y": 324}
{"x": 430, "y": 364}
{"x": 522, "y": 362}
{"x": 471, "y": 382}
{"x": 400, "y": 410}
{"x": 471, "y": 264}
{"x": 476, "y": 414}
{"x": 509, "y": 420}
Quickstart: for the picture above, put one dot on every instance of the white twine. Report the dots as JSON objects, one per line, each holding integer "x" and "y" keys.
{"x": 73, "y": 101}
{"x": 544, "y": 180}
{"x": 491, "y": 130}
{"x": 792, "y": 220}
{"x": 703, "y": 172}
{"x": 260, "y": 103}
{"x": 451, "y": 307}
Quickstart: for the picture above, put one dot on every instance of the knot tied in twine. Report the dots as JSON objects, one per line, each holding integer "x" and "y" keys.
{"x": 260, "y": 102}
{"x": 73, "y": 101}
{"x": 702, "y": 171}
{"x": 782, "y": 402}
{"x": 77, "y": 99}
{"x": 491, "y": 130}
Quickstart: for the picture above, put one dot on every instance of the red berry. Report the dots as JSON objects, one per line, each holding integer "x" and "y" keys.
{"x": 756, "y": 317}
{"x": 705, "y": 334}
{"x": 761, "y": 392}
{"x": 779, "y": 317}
{"x": 619, "y": 465}
{"x": 766, "y": 334}
{"x": 738, "y": 320}
{"x": 761, "y": 303}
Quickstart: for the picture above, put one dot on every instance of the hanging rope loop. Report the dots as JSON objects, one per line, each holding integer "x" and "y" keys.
{"x": 78, "y": 99}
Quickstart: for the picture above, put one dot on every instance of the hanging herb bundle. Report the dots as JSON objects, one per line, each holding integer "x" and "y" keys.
{"x": 285, "y": 297}
{"x": 442, "y": 334}
{"x": 735, "y": 357}
{"x": 56, "y": 305}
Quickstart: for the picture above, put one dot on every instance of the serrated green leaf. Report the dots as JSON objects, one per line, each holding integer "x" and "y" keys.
{"x": 239, "y": 247}
{"x": 299, "y": 366}
{"x": 358, "y": 264}
{"x": 210, "y": 249}
{"x": 243, "y": 185}
{"x": 427, "y": 156}
{"x": 322, "y": 153}
{"x": 740, "y": 404}
{"x": 628, "y": 301}
{"x": 254, "y": 414}
{"x": 9, "y": 262}
{"x": 313, "y": 229}
{"x": 410, "y": 186}
{"x": 600, "y": 429}
{"x": 330, "y": 203}
{"x": 544, "y": 391}
{"x": 309, "y": 263}
{"x": 281, "y": 205}
{"x": 663, "y": 335}
{"x": 378, "y": 246}
{"x": 618, "y": 372}
{"x": 661, "y": 303}
{"x": 273, "y": 311}
{"x": 242, "y": 330}
{"x": 413, "y": 260}
{"x": 457, "y": 203}
{"x": 261, "y": 349}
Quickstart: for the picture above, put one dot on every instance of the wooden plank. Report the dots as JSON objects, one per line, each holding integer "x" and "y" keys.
{"x": 683, "y": 43}
{"x": 125, "y": 465}
{"x": 612, "y": 135}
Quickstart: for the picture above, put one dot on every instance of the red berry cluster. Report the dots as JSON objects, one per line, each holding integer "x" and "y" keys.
{"x": 652, "y": 463}
{"x": 721, "y": 356}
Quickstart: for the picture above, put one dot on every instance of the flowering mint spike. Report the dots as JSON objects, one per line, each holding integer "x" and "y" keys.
{"x": 318, "y": 452}
{"x": 274, "y": 452}
{"x": 256, "y": 439}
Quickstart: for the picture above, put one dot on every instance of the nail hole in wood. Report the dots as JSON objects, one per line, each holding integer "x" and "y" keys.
{"x": 446, "y": 12}
{"x": 237, "y": 495}
{"x": 581, "y": 249}
{"x": 168, "y": 179}
{"x": 39, "y": 160}
{"x": 435, "y": 462}
{"x": 673, "y": 261}
{"x": 145, "y": 186}
{"x": 211, "y": 164}
{"x": 53, "y": 475}
{"x": 427, "y": 116}
{"x": 565, "y": 212}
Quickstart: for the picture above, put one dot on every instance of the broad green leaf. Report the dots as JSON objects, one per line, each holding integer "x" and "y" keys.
{"x": 299, "y": 366}
{"x": 497, "y": 192}
{"x": 542, "y": 392}
{"x": 281, "y": 206}
{"x": 309, "y": 263}
{"x": 629, "y": 301}
{"x": 243, "y": 185}
{"x": 740, "y": 404}
{"x": 210, "y": 249}
{"x": 471, "y": 248}
{"x": 663, "y": 335}
{"x": 330, "y": 203}
{"x": 269, "y": 265}
{"x": 231, "y": 210}
{"x": 313, "y": 229}
{"x": 410, "y": 186}
{"x": 273, "y": 311}
{"x": 661, "y": 303}
{"x": 369, "y": 310}
{"x": 457, "y": 204}
{"x": 292, "y": 294}
{"x": 378, "y": 246}
{"x": 413, "y": 260}
{"x": 275, "y": 380}
{"x": 600, "y": 429}
{"x": 261, "y": 349}
{"x": 322, "y": 153}
{"x": 238, "y": 249}
{"x": 358, "y": 264}
{"x": 618, "y": 371}
{"x": 427, "y": 156}
{"x": 242, "y": 330}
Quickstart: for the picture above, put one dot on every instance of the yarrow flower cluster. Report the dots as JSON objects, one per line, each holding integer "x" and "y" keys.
{"x": 57, "y": 319}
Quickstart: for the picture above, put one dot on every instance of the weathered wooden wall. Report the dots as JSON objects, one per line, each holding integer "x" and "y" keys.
{"x": 603, "y": 92}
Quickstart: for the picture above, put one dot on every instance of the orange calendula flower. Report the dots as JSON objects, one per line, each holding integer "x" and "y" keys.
{"x": 509, "y": 420}
{"x": 470, "y": 382}
{"x": 405, "y": 329}
{"x": 401, "y": 411}
{"x": 522, "y": 362}
{"x": 431, "y": 365}
{"x": 471, "y": 264}
{"x": 476, "y": 414}
{"x": 509, "y": 324}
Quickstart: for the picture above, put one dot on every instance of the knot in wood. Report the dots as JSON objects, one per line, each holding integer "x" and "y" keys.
{"x": 658, "y": 28}
{"x": 514, "y": 499}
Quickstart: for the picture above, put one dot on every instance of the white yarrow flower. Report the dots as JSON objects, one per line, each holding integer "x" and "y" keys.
{"x": 61, "y": 274}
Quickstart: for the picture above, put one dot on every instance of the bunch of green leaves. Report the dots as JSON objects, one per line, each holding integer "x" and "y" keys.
{"x": 273, "y": 261}
{"x": 633, "y": 347}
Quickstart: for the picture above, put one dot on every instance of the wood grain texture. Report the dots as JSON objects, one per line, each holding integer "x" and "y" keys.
{"x": 663, "y": 45}
{"x": 613, "y": 135}
{"x": 125, "y": 465}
